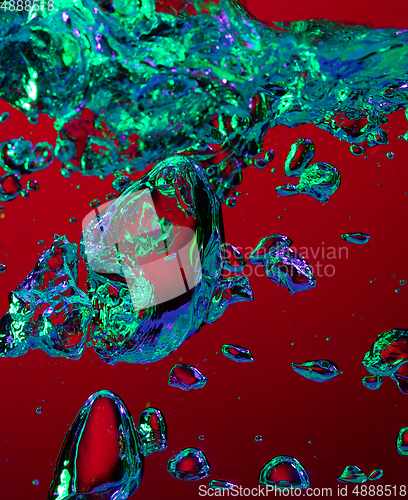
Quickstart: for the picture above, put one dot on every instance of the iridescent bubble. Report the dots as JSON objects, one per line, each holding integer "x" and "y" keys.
{"x": 33, "y": 185}
{"x": 36, "y": 482}
{"x": 376, "y": 474}
{"x": 4, "y": 116}
{"x": 319, "y": 180}
{"x": 41, "y": 156}
{"x": 166, "y": 267}
{"x": 72, "y": 220}
{"x": 237, "y": 353}
{"x": 38, "y": 410}
{"x": 3, "y": 268}
{"x": 388, "y": 357}
{"x": 15, "y": 156}
{"x": 261, "y": 163}
{"x": 352, "y": 474}
{"x": 320, "y": 370}
{"x": 291, "y": 270}
{"x": 1, "y": 208}
{"x": 268, "y": 247}
{"x": 95, "y": 203}
{"x": 189, "y": 464}
{"x": 10, "y": 187}
{"x": 357, "y": 238}
{"x": 33, "y": 119}
{"x": 25, "y": 193}
{"x": 406, "y": 136}
{"x": 390, "y": 155}
{"x": 300, "y": 155}
{"x": 372, "y": 383}
{"x": 258, "y": 438}
{"x": 231, "y": 201}
{"x": 186, "y": 377}
{"x": 110, "y": 196}
{"x": 282, "y": 472}
{"x": 219, "y": 484}
{"x": 100, "y": 456}
{"x": 40, "y": 242}
{"x": 402, "y": 441}
{"x": 403, "y": 282}
{"x": 356, "y": 150}
{"x": 152, "y": 431}
{"x": 270, "y": 155}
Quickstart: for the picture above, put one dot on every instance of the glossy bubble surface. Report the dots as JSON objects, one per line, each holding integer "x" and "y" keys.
{"x": 320, "y": 370}
{"x": 284, "y": 472}
{"x": 189, "y": 464}
{"x": 100, "y": 456}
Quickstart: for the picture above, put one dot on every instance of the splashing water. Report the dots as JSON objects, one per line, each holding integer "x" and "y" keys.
{"x": 388, "y": 357}
{"x": 237, "y": 353}
{"x": 320, "y": 370}
{"x": 203, "y": 84}
{"x": 100, "y": 455}
{"x": 186, "y": 377}
{"x": 189, "y": 464}
{"x": 352, "y": 474}
{"x": 283, "y": 472}
{"x": 47, "y": 310}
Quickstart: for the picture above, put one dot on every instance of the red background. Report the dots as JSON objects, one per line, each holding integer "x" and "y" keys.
{"x": 347, "y": 423}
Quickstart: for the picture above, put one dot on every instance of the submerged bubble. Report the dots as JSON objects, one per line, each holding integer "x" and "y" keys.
{"x": 95, "y": 203}
{"x": 406, "y": 136}
{"x": 72, "y": 220}
{"x": 4, "y": 116}
{"x": 201, "y": 437}
{"x": 268, "y": 247}
{"x": 237, "y": 353}
{"x": 33, "y": 119}
{"x": 352, "y": 474}
{"x": 3, "y": 268}
{"x": 320, "y": 370}
{"x": 282, "y": 472}
{"x": 100, "y": 456}
{"x": 402, "y": 441}
{"x": 390, "y": 155}
{"x": 189, "y": 464}
{"x": 152, "y": 431}
{"x": 300, "y": 155}
{"x": 291, "y": 270}
{"x": 38, "y": 410}
{"x": 258, "y": 438}
{"x": 220, "y": 484}
{"x": 357, "y": 238}
{"x": 372, "y": 383}
{"x": 270, "y": 155}
{"x": 319, "y": 180}
{"x": 376, "y": 474}
{"x": 356, "y": 150}
{"x": 10, "y": 187}
{"x": 65, "y": 172}
{"x": 186, "y": 377}
{"x": 33, "y": 185}
{"x": 402, "y": 282}
{"x": 388, "y": 356}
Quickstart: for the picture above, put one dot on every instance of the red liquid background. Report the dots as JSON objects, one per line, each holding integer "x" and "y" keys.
{"x": 347, "y": 423}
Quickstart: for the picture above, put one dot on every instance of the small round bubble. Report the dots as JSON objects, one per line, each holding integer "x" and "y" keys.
{"x": 390, "y": 155}
{"x": 95, "y": 203}
{"x": 3, "y": 268}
